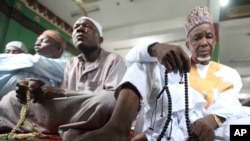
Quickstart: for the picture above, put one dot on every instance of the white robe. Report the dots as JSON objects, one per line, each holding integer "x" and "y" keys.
{"x": 147, "y": 75}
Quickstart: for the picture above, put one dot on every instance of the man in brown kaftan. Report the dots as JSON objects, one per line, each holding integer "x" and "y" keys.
{"x": 85, "y": 100}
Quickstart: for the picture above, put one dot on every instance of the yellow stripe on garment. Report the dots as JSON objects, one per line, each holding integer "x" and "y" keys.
{"x": 207, "y": 85}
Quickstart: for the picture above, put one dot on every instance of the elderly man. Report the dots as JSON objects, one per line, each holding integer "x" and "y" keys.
{"x": 202, "y": 111}
{"x": 85, "y": 100}
{"x": 15, "y": 47}
{"x": 45, "y": 65}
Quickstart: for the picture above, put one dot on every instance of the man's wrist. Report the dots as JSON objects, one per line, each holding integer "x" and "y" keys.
{"x": 52, "y": 92}
{"x": 219, "y": 120}
{"x": 151, "y": 52}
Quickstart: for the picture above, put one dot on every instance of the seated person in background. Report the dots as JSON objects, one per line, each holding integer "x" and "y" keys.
{"x": 45, "y": 65}
{"x": 15, "y": 47}
{"x": 212, "y": 92}
{"x": 85, "y": 100}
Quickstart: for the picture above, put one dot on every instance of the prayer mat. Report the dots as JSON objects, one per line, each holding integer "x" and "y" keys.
{"x": 48, "y": 138}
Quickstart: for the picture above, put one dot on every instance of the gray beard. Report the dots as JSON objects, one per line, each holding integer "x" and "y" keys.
{"x": 203, "y": 59}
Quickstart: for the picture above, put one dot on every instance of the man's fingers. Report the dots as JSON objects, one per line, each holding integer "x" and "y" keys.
{"x": 206, "y": 134}
{"x": 171, "y": 59}
{"x": 174, "y": 58}
{"x": 186, "y": 61}
{"x": 168, "y": 67}
{"x": 34, "y": 83}
{"x": 22, "y": 83}
{"x": 179, "y": 63}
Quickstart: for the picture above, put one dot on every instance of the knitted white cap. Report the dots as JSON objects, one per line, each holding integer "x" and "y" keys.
{"x": 17, "y": 44}
{"x": 97, "y": 24}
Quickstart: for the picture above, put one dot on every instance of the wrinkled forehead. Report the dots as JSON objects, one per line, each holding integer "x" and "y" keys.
{"x": 204, "y": 27}
{"x": 84, "y": 21}
{"x": 43, "y": 36}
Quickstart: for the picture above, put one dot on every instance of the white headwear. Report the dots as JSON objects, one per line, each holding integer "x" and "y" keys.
{"x": 17, "y": 44}
{"x": 97, "y": 24}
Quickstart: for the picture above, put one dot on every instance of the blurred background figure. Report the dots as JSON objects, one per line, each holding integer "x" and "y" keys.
{"x": 46, "y": 64}
{"x": 15, "y": 47}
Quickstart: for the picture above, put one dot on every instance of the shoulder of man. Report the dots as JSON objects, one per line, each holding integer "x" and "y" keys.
{"x": 111, "y": 54}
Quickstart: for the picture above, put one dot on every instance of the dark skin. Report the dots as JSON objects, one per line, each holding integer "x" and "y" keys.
{"x": 200, "y": 42}
{"x": 48, "y": 47}
{"x": 85, "y": 38}
{"x": 13, "y": 50}
{"x": 172, "y": 57}
{"x": 175, "y": 60}
{"x": 128, "y": 101}
{"x": 127, "y": 104}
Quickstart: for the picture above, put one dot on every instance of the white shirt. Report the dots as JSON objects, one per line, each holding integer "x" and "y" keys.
{"x": 147, "y": 75}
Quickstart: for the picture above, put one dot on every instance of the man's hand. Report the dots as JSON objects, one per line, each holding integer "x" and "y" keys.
{"x": 203, "y": 128}
{"x": 38, "y": 89}
{"x": 172, "y": 57}
{"x": 29, "y": 84}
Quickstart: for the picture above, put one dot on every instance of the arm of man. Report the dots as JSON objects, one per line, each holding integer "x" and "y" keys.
{"x": 171, "y": 56}
{"x": 39, "y": 65}
{"x": 10, "y": 62}
{"x": 48, "y": 67}
{"x": 139, "y": 53}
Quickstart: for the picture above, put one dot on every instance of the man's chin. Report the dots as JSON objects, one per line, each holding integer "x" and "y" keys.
{"x": 88, "y": 50}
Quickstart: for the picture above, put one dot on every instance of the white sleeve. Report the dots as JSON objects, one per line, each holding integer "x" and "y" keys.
{"x": 136, "y": 74}
{"x": 15, "y": 62}
{"x": 42, "y": 66}
{"x": 139, "y": 53}
{"x": 47, "y": 67}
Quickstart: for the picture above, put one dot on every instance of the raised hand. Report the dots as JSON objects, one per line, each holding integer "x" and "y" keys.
{"x": 172, "y": 57}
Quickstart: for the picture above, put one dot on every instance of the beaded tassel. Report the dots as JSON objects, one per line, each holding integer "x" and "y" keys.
{"x": 169, "y": 109}
{"x": 188, "y": 123}
{"x": 12, "y": 135}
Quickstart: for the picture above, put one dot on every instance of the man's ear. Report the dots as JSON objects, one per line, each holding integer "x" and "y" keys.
{"x": 61, "y": 50}
{"x": 101, "y": 40}
{"x": 187, "y": 45}
{"x": 215, "y": 40}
